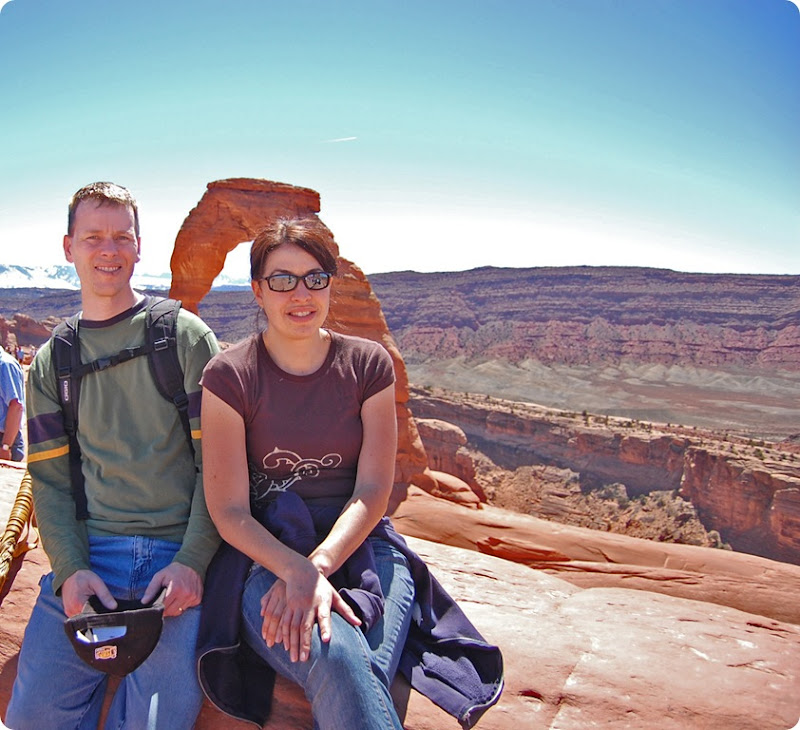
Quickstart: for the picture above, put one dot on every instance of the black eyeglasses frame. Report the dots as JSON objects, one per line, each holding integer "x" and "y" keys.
{"x": 313, "y": 281}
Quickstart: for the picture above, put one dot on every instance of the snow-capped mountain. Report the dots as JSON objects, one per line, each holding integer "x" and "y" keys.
{"x": 64, "y": 277}
{"x": 38, "y": 277}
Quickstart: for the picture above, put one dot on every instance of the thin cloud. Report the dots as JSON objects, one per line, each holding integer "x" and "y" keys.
{"x": 339, "y": 139}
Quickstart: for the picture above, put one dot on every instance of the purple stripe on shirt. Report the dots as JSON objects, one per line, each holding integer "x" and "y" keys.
{"x": 194, "y": 403}
{"x": 45, "y": 427}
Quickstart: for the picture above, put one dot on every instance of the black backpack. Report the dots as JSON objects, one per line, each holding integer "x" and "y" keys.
{"x": 161, "y": 321}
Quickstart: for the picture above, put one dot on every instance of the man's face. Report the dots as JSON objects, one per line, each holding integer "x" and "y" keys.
{"x": 104, "y": 248}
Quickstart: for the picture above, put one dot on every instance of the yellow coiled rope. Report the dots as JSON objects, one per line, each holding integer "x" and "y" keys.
{"x": 20, "y": 523}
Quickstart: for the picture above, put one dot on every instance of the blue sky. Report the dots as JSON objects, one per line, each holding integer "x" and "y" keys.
{"x": 441, "y": 135}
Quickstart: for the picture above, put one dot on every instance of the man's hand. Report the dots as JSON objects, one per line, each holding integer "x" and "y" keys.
{"x": 184, "y": 588}
{"x": 76, "y": 590}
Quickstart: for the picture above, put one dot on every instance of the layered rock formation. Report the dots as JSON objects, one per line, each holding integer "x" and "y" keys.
{"x": 748, "y": 492}
{"x": 755, "y": 500}
{"x": 585, "y": 315}
{"x": 24, "y": 329}
{"x": 233, "y": 211}
{"x": 716, "y": 351}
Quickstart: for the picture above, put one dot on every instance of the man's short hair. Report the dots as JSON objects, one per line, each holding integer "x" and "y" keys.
{"x": 105, "y": 193}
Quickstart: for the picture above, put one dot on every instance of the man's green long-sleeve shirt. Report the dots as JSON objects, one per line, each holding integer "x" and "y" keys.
{"x": 139, "y": 473}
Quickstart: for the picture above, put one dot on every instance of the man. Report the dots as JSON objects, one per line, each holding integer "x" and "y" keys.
{"x": 12, "y": 404}
{"x": 147, "y": 528}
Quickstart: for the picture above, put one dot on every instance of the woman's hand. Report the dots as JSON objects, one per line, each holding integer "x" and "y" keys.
{"x": 291, "y": 609}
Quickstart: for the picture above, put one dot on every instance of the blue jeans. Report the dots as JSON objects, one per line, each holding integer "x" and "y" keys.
{"x": 346, "y": 680}
{"x": 55, "y": 689}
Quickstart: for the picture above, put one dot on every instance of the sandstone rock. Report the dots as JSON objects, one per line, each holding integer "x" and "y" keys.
{"x": 230, "y": 212}
{"x": 445, "y": 445}
{"x": 453, "y": 489}
{"x": 574, "y": 658}
{"x": 708, "y": 350}
{"x": 25, "y": 330}
{"x": 590, "y": 558}
{"x": 596, "y": 315}
{"x": 749, "y": 493}
{"x": 233, "y": 211}
{"x": 755, "y": 502}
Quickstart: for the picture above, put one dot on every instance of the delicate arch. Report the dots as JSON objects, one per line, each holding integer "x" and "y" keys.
{"x": 234, "y": 210}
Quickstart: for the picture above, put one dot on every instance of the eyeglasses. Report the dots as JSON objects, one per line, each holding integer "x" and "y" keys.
{"x": 314, "y": 281}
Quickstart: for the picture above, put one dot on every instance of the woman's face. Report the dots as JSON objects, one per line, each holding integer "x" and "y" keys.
{"x": 298, "y": 313}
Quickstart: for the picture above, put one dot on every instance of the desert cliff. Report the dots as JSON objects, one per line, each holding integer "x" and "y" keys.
{"x": 583, "y": 315}
{"x": 748, "y": 492}
{"x": 716, "y": 351}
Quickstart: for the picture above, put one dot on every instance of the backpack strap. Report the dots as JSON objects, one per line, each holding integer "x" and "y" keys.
{"x": 161, "y": 347}
{"x": 67, "y": 363}
{"x": 165, "y": 367}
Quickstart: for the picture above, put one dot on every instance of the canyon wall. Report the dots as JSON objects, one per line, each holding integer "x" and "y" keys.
{"x": 747, "y": 491}
{"x": 591, "y": 315}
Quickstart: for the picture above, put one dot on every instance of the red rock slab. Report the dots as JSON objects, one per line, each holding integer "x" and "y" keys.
{"x": 574, "y": 658}
{"x": 453, "y": 489}
{"x": 610, "y": 657}
{"x": 590, "y": 558}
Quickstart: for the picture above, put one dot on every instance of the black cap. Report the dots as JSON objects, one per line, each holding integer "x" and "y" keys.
{"x": 116, "y": 641}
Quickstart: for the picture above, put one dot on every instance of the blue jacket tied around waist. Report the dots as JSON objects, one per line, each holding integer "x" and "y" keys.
{"x": 444, "y": 658}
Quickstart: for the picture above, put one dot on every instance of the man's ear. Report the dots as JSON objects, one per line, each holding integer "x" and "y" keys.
{"x": 68, "y": 248}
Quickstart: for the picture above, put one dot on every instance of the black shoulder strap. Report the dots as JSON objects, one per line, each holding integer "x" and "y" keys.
{"x": 67, "y": 364}
{"x": 165, "y": 367}
{"x": 161, "y": 347}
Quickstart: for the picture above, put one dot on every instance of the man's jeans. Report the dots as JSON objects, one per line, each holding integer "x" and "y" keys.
{"x": 346, "y": 680}
{"x": 56, "y": 690}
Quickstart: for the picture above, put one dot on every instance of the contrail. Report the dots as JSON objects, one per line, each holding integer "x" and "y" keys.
{"x": 340, "y": 139}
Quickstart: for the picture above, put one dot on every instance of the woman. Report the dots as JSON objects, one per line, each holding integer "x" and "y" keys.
{"x": 299, "y": 446}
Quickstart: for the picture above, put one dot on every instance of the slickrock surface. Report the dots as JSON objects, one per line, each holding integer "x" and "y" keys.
{"x": 575, "y": 658}
{"x": 233, "y": 211}
{"x": 591, "y": 558}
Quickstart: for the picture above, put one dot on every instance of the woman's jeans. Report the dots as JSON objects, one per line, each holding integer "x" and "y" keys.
{"x": 56, "y": 690}
{"x": 346, "y": 680}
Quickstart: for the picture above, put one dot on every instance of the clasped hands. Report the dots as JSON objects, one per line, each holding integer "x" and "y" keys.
{"x": 291, "y": 608}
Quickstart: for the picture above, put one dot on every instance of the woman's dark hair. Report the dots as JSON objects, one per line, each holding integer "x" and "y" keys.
{"x": 310, "y": 234}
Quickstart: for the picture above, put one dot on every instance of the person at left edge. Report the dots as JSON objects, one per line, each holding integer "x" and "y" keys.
{"x": 148, "y": 526}
{"x": 12, "y": 406}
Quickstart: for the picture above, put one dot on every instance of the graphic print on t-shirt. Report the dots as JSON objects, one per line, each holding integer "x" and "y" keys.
{"x": 282, "y": 468}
